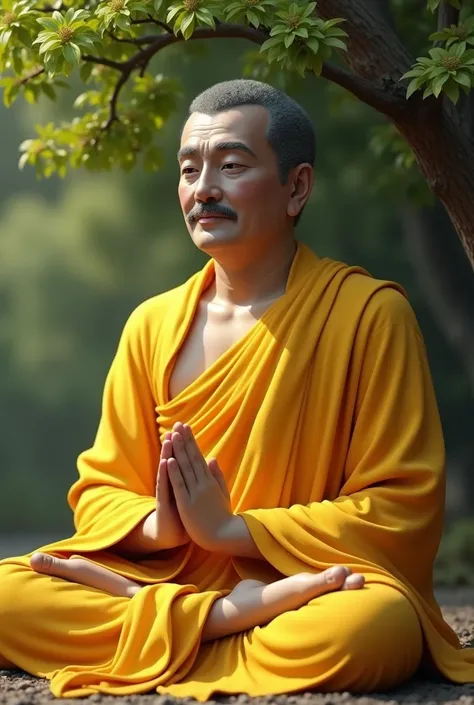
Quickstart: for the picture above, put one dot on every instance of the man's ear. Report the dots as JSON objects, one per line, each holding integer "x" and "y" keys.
{"x": 302, "y": 179}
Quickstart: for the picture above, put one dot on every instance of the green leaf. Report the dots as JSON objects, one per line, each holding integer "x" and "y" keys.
{"x": 23, "y": 160}
{"x": 278, "y": 29}
{"x": 187, "y": 26}
{"x": 49, "y": 23}
{"x": 10, "y": 94}
{"x": 413, "y": 72}
{"x": 252, "y": 18}
{"x": 309, "y": 10}
{"x": 333, "y": 22}
{"x": 269, "y": 43}
{"x": 50, "y": 46}
{"x": 173, "y": 11}
{"x": 157, "y": 5}
{"x": 334, "y": 42}
{"x": 451, "y": 88}
{"x": 433, "y": 4}
{"x": 427, "y": 92}
{"x": 455, "y": 3}
{"x": 48, "y": 90}
{"x": 437, "y": 53}
{"x": 273, "y": 53}
{"x": 17, "y": 62}
{"x": 206, "y": 18}
{"x": 59, "y": 18}
{"x": 72, "y": 53}
{"x": 336, "y": 32}
{"x": 289, "y": 39}
{"x": 457, "y": 49}
{"x": 86, "y": 71}
{"x": 414, "y": 86}
{"x": 123, "y": 22}
{"x": 313, "y": 44}
{"x": 31, "y": 93}
{"x": 317, "y": 65}
{"x": 236, "y": 12}
{"x": 436, "y": 36}
{"x": 69, "y": 15}
{"x": 463, "y": 79}
{"x": 436, "y": 71}
{"x": 438, "y": 83}
{"x": 301, "y": 32}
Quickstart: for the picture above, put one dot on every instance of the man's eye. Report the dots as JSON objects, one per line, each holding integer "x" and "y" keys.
{"x": 232, "y": 164}
{"x": 188, "y": 170}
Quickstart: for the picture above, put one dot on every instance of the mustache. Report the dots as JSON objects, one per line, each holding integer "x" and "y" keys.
{"x": 206, "y": 209}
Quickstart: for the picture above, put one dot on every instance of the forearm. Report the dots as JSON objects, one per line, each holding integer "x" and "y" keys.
{"x": 145, "y": 539}
{"x": 236, "y": 540}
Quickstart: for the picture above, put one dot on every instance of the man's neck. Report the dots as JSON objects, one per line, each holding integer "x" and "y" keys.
{"x": 264, "y": 279}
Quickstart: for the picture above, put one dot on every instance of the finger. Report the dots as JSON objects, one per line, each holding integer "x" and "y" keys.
{"x": 167, "y": 447}
{"x": 181, "y": 456}
{"x": 218, "y": 476}
{"x": 50, "y": 565}
{"x": 177, "y": 481}
{"x": 356, "y": 581}
{"x": 162, "y": 485}
{"x": 193, "y": 451}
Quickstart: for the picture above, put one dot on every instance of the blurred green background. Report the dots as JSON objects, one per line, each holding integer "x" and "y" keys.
{"x": 76, "y": 256}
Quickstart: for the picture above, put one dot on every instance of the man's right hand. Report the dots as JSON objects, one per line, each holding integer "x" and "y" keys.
{"x": 162, "y": 528}
{"x": 168, "y": 528}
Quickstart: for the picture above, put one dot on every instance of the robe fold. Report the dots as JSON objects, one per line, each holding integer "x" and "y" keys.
{"x": 324, "y": 422}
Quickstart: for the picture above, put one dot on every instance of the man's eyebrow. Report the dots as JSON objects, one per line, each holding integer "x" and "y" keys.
{"x": 220, "y": 146}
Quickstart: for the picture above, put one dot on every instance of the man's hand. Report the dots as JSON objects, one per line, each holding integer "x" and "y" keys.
{"x": 169, "y": 529}
{"x": 162, "y": 528}
{"x": 202, "y": 498}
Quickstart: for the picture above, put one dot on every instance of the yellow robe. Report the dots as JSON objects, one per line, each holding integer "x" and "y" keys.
{"x": 324, "y": 422}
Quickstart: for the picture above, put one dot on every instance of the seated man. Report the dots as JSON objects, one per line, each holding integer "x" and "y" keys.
{"x": 263, "y": 503}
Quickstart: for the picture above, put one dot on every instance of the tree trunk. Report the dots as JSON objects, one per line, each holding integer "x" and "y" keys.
{"x": 446, "y": 158}
{"x": 445, "y": 279}
{"x": 448, "y": 290}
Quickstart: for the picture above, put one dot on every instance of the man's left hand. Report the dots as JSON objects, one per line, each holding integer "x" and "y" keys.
{"x": 199, "y": 487}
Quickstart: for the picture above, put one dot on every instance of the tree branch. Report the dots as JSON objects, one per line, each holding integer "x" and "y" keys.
{"x": 113, "y": 116}
{"x": 376, "y": 96}
{"x": 102, "y": 61}
{"x": 152, "y": 20}
{"x": 375, "y": 52}
{"x": 31, "y": 75}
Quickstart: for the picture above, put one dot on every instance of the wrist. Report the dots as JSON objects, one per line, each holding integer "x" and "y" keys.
{"x": 235, "y": 539}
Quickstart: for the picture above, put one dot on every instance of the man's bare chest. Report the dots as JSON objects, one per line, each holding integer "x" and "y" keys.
{"x": 207, "y": 340}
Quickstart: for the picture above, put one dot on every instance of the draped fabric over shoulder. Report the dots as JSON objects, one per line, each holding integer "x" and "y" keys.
{"x": 324, "y": 422}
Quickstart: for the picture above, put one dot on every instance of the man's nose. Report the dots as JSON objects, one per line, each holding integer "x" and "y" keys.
{"x": 207, "y": 188}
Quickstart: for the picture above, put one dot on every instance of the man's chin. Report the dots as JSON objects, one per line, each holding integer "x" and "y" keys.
{"x": 206, "y": 237}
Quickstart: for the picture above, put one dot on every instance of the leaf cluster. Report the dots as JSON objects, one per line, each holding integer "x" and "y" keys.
{"x": 449, "y": 68}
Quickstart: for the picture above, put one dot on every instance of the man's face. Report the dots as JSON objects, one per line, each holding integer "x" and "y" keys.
{"x": 229, "y": 187}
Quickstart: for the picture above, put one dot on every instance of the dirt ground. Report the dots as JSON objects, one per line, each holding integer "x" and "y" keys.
{"x": 18, "y": 688}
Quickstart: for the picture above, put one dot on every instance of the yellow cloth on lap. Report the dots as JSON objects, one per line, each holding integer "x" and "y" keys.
{"x": 324, "y": 422}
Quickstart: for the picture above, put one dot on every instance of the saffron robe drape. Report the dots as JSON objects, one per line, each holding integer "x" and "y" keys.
{"x": 324, "y": 422}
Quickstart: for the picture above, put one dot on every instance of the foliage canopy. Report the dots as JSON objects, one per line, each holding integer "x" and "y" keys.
{"x": 111, "y": 44}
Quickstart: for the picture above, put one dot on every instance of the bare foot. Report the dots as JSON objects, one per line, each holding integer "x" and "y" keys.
{"x": 83, "y": 572}
{"x": 253, "y": 603}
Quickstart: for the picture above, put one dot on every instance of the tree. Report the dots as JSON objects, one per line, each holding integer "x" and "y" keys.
{"x": 428, "y": 102}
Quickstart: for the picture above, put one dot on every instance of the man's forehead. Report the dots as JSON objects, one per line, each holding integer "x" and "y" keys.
{"x": 242, "y": 123}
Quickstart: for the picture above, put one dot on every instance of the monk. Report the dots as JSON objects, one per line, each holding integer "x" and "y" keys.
{"x": 263, "y": 502}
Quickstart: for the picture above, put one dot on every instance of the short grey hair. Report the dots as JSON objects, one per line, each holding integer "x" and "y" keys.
{"x": 290, "y": 131}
